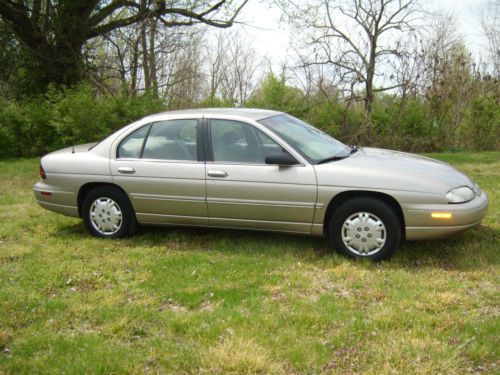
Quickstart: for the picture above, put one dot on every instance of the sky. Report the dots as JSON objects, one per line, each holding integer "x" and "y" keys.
{"x": 271, "y": 38}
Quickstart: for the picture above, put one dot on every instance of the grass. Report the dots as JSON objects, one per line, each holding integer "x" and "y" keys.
{"x": 222, "y": 301}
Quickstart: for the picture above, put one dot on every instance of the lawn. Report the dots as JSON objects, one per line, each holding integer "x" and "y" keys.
{"x": 222, "y": 301}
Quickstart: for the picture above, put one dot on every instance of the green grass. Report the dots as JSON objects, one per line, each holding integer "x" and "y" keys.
{"x": 222, "y": 301}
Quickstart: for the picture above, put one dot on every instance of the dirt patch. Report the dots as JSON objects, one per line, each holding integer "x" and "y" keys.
{"x": 173, "y": 306}
{"x": 342, "y": 358}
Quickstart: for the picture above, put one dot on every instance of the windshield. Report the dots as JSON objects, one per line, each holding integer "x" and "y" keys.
{"x": 310, "y": 142}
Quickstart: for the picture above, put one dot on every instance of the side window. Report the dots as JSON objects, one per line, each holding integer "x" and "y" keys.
{"x": 131, "y": 146}
{"x": 172, "y": 140}
{"x": 238, "y": 142}
{"x": 267, "y": 144}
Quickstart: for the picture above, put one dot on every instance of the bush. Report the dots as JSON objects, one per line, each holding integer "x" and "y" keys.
{"x": 62, "y": 118}
{"x": 483, "y": 120}
{"x": 73, "y": 116}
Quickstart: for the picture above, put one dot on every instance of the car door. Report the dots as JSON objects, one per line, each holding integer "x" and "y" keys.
{"x": 161, "y": 168}
{"x": 243, "y": 191}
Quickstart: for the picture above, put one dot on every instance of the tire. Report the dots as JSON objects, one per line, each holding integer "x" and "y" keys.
{"x": 107, "y": 213}
{"x": 355, "y": 231}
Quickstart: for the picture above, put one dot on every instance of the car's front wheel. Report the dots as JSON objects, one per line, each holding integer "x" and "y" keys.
{"x": 365, "y": 228}
{"x": 107, "y": 212}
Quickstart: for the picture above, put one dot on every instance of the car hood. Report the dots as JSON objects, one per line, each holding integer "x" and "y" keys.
{"x": 374, "y": 168}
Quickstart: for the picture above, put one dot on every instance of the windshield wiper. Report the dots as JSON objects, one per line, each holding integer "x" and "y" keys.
{"x": 332, "y": 158}
{"x": 353, "y": 150}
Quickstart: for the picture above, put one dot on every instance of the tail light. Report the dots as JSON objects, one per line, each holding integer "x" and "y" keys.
{"x": 42, "y": 173}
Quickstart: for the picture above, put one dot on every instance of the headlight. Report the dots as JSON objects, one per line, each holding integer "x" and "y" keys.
{"x": 477, "y": 190}
{"x": 460, "y": 195}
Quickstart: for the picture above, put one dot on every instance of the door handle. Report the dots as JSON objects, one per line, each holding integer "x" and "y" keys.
{"x": 217, "y": 173}
{"x": 126, "y": 170}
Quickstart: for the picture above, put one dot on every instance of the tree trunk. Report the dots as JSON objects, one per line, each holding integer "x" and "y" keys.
{"x": 61, "y": 65}
{"x": 134, "y": 67}
{"x": 152, "y": 60}
{"x": 370, "y": 74}
{"x": 145, "y": 58}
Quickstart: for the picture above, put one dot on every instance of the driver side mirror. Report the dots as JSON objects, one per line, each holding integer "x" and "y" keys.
{"x": 281, "y": 158}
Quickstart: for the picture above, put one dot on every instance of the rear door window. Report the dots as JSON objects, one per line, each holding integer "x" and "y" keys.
{"x": 131, "y": 146}
{"x": 172, "y": 140}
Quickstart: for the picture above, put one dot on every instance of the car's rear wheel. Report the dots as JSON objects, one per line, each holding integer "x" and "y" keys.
{"x": 107, "y": 212}
{"x": 365, "y": 228}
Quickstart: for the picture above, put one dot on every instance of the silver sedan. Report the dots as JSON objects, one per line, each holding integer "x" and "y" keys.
{"x": 262, "y": 170}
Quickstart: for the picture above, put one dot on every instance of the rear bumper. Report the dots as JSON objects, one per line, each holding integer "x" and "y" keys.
{"x": 55, "y": 199}
{"x": 420, "y": 225}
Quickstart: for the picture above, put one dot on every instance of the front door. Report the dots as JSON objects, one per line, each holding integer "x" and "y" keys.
{"x": 162, "y": 171}
{"x": 245, "y": 192}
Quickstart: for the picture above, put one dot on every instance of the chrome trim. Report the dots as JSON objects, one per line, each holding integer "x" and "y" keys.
{"x": 258, "y": 221}
{"x": 182, "y": 225}
{"x": 212, "y": 173}
{"x": 139, "y": 124}
{"x": 225, "y": 219}
{"x": 208, "y": 162}
{"x": 260, "y": 202}
{"x": 167, "y": 197}
{"x": 170, "y": 161}
{"x": 126, "y": 170}
{"x": 173, "y": 216}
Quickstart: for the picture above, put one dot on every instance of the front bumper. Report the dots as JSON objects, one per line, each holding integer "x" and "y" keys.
{"x": 420, "y": 225}
{"x": 55, "y": 199}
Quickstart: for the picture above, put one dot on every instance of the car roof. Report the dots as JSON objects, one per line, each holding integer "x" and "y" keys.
{"x": 250, "y": 113}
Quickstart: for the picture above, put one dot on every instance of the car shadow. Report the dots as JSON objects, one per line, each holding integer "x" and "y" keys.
{"x": 472, "y": 249}
{"x": 235, "y": 240}
{"x": 469, "y": 250}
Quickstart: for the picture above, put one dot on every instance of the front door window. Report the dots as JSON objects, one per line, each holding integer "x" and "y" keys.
{"x": 237, "y": 142}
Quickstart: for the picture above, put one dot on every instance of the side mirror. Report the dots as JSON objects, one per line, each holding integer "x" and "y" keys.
{"x": 281, "y": 158}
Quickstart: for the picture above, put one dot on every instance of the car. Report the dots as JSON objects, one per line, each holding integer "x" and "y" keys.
{"x": 257, "y": 169}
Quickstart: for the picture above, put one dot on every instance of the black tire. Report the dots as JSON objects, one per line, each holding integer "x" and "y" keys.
{"x": 372, "y": 206}
{"x": 128, "y": 223}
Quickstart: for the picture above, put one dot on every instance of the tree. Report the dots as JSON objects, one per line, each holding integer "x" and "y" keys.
{"x": 446, "y": 79}
{"x": 55, "y": 31}
{"x": 490, "y": 24}
{"x": 232, "y": 65}
{"x": 353, "y": 37}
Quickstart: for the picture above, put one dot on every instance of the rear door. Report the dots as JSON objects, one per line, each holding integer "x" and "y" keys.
{"x": 245, "y": 192}
{"x": 161, "y": 167}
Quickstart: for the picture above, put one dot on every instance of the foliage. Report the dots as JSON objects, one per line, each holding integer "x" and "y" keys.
{"x": 62, "y": 118}
{"x": 182, "y": 301}
{"x": 19, "y": 76}
{"x": 58, "y": 118}
{"x": 275, "y": 94}
{"x": 56, "y": 31}
{"x": 483, "y": 117}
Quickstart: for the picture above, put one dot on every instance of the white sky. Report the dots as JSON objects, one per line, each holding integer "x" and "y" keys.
{"x": 271, "y": 38}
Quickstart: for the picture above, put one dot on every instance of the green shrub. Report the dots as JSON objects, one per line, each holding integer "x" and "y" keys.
{"x": 63, "y": 118}
{"x": 483, "y": 124}
{"x": 31, "y": 127}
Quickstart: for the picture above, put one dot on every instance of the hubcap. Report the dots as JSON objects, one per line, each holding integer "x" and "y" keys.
{"x": 363, "y": 233}
{"x": 106, "y": 216}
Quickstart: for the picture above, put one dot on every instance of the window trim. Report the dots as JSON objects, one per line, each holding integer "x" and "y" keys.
{"x": 145, "y": 139}
{"x": 117, "y": 151}
{"x": 302, "y": 154}
{"x": 199, "y": 156}
{"x": 209, "y": 156}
